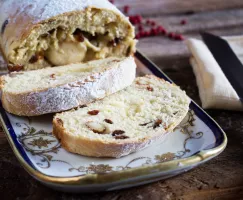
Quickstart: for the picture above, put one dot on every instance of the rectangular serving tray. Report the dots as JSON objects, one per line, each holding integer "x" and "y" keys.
{"x": 196, "y": 140}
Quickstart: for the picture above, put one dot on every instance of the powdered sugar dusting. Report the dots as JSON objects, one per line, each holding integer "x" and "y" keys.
{"x": 68, "y": 96}
{"x": 40, "y": 10}
{"x": 73, "y": 94}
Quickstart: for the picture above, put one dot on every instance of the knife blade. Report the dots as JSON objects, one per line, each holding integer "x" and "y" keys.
{"x": 227, "y": 60}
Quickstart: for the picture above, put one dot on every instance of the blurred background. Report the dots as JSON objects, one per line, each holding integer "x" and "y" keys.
{"x": 183, "y": 19}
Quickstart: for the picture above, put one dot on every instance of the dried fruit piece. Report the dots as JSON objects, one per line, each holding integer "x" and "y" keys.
{"x": 4, "y": 26}
{"x": 108, "y": 121}
{"x": 78, "y": 35}
{"x": 149, "y": 88}
{"x": 94, "y": 112}
{"x": 145, "y": 124}
{"x": 96, "y": 127}
{"x": 52, "y": 75}
{"x": 121, "y": 137}
{"x": 118, "y": 132}
{"x": 157, "y": 123}
{"x": 15, "y": 67}
{"x": 33, "y": 59}
{"x": 83, "y": 106}
{"x": 79, "y": 83}
{"x": 36, "y": 57}
{"x": 59, "y": 121}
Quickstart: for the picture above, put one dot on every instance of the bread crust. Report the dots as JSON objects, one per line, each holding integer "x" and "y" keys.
{"x": 98, "y": 148}
{"x": 71, "y": 95}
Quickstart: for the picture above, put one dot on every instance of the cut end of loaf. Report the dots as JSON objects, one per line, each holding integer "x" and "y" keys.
{"x": 124, "y": 122}
{"x": 79, "y": 36}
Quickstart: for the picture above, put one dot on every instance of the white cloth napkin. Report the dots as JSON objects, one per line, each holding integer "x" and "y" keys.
{"x": 214, "y": 88}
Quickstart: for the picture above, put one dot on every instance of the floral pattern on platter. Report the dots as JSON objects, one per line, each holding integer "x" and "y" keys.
{"x": 44, "y": 145}
{"x": 38, "y": 143}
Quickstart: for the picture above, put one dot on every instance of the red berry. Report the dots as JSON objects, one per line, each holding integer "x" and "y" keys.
{"x": 126, "y": 9}
{"x": 138, "y": 36}
{"x": 140, "y": 28}
{"x": 153, "y": 23}
{"x": 147, "y": 21}
{"x": 142, "y": 33}
{"x": 163, "y": 31}
{"x": 160, "y": 29}
{"x": 183, "y": 22}
{"x": 179, "y": 37}
{"x": 150, "y": 33}
{"x": 139, "y": 18}
{"x": 146, "y": 33}
{"x": 154, "y": 31}
{"x": 171, "y": 35}
{"x": 131, "y": 19}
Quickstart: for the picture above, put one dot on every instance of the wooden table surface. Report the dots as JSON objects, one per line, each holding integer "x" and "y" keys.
{"x": 220, "y": 178}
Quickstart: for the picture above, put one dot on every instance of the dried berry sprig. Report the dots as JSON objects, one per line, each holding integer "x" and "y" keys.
{"x": 153, "y": 30}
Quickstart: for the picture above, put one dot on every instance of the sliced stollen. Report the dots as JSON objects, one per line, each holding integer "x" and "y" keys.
{"x": 49, "y": 90}
{"x": 124, "y": 122}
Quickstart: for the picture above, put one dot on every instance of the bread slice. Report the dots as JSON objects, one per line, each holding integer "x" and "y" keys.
{"x": 125, "y": 122}
{"x": 62, "y": 88}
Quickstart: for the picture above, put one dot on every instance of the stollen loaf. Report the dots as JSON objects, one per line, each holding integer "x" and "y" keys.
{"x": 44, "y": 33}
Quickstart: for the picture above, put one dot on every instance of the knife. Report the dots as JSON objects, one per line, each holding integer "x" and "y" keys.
{"x": 227, "y": 60}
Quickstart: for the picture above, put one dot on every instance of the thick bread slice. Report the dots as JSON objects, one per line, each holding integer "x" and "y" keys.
{"x": 62, "y": 88}
{"x": 125, "y": 122}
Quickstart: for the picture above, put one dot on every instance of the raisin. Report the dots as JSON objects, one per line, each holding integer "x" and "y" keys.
{"x": 83, "y": 106}
{"x": 78, "y": 35}
{"x": 93, "y": 112}
{"x": 51, "y": 31}
{"x": 150, "y": 89}
{"x": 36, "y": 57}
{"x": 108, "y": 121}
{"x": 4, "y": 26}
{"x": 117, "y": 132}
{"x": 33, "y": 59}
{"x": 17, "y": 68}
{"x": 59, "y": 121}
{"x": 145, "y": 124}
{"x": 121, "y": 137}
{"x": 157, "y": 123}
